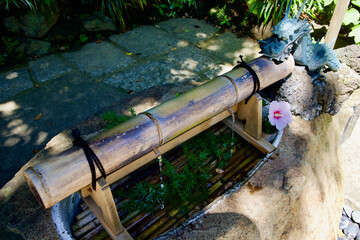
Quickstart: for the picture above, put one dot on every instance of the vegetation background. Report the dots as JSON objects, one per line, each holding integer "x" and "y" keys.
{"x": 239, "y": 16}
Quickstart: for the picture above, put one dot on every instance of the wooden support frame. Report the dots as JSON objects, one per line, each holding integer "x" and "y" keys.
{"x": 251, "y": 130}
{"x": 102, "y": 204}
{"x": 101, "y": 201}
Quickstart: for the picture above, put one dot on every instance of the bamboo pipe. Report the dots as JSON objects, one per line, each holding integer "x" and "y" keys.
{"x": 55, "y": 179}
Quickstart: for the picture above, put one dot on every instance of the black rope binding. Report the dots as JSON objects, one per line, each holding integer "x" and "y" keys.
{"x": 90, "y": 156}
{"x": 256, "y": 80}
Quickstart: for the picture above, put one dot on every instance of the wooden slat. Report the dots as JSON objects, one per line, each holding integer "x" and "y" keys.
{"x": 261, "y": 144}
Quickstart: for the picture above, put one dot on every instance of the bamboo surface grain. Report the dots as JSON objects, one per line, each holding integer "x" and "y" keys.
{"x": 60, "y": 176}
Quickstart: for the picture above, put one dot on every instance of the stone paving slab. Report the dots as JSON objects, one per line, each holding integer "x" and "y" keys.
{"x": 98, "y": 59}
{"x": 229, "y": 47}
{"x": 190, "y": 29}
{"x": 14, "y": 82}
{"x": 192, "y": 58}
{"x": 62, "y": 103}
{"x": 150, "y": 74}
{"x": 48, "y": 67}
{"x": 146, "y": 41}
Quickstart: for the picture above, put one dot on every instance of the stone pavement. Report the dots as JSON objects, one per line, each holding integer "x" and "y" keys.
{"x": 43, "y": 97}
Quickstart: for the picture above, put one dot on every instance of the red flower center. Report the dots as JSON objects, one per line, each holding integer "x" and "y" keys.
{"x": 277, "y": 114}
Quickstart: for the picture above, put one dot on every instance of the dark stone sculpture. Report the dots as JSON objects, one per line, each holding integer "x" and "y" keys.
{"x": 292, "y": 36}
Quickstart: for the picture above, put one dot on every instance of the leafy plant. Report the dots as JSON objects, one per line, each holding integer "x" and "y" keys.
{"x": 221, "y": 15}
{"x": 117, "y": 9}
{"x": 352, "y": 19}
{"x": 175, "y": 5}
{"x": 33, "y": 5}
{"x": 266, "y": 11}
{"x": 188, "y": 185}
{"x": 112, "y": 119}
{"x": 161, "y": 8}
{"x": 83, "y": 38}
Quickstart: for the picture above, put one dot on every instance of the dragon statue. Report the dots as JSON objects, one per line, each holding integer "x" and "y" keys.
{"x": 292, "y": 36}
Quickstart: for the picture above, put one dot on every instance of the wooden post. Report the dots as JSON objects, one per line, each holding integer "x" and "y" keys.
{"x": 336, "y": 21}
{"x": 102, "y": 204}
{"x": 251, "y": 113}
{"x": 251, "y": 131}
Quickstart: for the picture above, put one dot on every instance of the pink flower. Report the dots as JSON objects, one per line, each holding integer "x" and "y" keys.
{"x": 279, "y": 114}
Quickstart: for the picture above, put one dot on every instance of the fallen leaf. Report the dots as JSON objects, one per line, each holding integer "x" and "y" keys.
{"x": 128, "y": 53}
{"x": 48, "y": 123}
{"x": 219, "y": 171}
{"x": 37, "y": 85}
{"x": 98, "y": 41}
{"x": 139, "y": 80}
{"x": 38, "y": 117}
{"x": 35, "y": 151}
{"x": 131, "y": 92}
{"x": 174, "y": 48}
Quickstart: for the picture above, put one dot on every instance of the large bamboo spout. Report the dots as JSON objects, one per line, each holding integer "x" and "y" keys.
{"x": 60, "y": 176}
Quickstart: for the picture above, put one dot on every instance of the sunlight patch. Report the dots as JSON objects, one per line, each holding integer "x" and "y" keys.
{"x": 7, "y": 109}
{"x": 41, "y": 137}
{"x": 11, "y": 75}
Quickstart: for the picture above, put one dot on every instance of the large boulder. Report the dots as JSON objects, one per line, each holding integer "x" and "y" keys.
{"x": 31, "y": 24}
{"x": 309, "y": 100}
{"x": 350, "y": 55}
{"x": 297, "y": 194}
{"x": 98, "y": 22}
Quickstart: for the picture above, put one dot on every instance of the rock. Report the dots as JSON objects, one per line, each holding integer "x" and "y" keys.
{"x": 65, "y": 30}
{"x": 190, "y": 29}
{"x": 344, "y": 222}
{"x": 48, "y": 67}
{"x": 31, "y": 24}
{"x": 355, "y": 216}
{"x": 352, "y": 230}
{"x": 154, "y": 41}
{"x": 12, "y": 83}
{"x": 11, "y": 24}
{"x": 99, "y": 58}
{"x": 31, "y": 47}
{"x": 350, "y": 55}
{"x": 98, "y": 22}
{"x": 307, "y": 205}
{"x": 347, "y": 210}
{"x": 344, "y": 81}
{"x": 306, "y": 99}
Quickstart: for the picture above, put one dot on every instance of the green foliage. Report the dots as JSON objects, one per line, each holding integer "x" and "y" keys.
{"x": 112, "y": 119}
{"x": 266, "y": 125}
{"x": 161, "y": 8}
{"x": 352, "y": 19}
{"x": 175, "y": 5}
{"x": 265, "y": 11}
{"x": 83, "y": 38}
{"x": 44, "y": 6}
{"x": 10, "y": 52}
{"x": 117, "y": 9}
{"x": 188, "y": 185}
{"x": 221, "y": 15}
